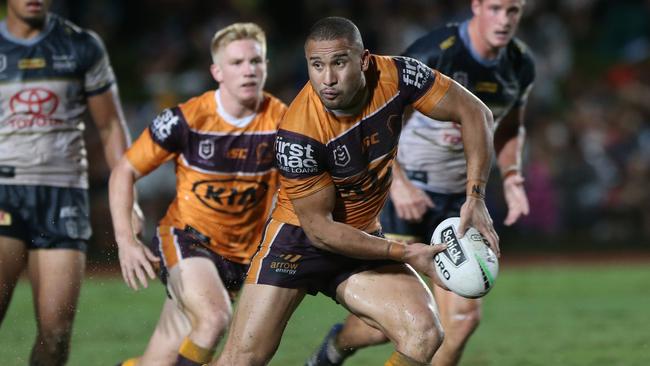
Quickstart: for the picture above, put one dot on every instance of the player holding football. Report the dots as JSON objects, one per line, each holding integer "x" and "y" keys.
{"x": 51, "y": 73}
{"x": 335, "y": 148}
{"x": 482, "y": 55}
{"x": 222, "y": 145}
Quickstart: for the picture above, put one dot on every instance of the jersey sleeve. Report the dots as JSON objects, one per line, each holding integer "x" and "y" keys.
{"x": 302, "y": 164}
{"x": 98, "y": 73}
{"x": 164, "y": 138}
{"x": 421, "y": 86}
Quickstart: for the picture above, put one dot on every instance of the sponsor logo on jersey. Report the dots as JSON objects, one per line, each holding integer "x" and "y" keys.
{"x": 239, "y": 153}
{"x": 5, "y": 218}
{"x": 31, "y": 63}
{"x": 230, "y": 196}
{"x": 447, "y": 43}
{"x": 415, "y": 73}
{"x": 454, "y": 251}
{"x": 341, "y": 156}
{"x": 3, "y": 62}
{"x": 69, "y": 211}
{"x": 33, "y": 107}
{"x": 162, "y": 125}
{"x": 206, "y": 149}
{"x": 63, "y": 62}
{"x": 295, "y": 157}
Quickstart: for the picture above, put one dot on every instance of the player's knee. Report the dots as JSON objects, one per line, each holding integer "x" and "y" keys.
{"x": 463, "y": 324}
{"x": 425, "y": 335}
{"x": 55, "y": 339}
{"x": 214, "y": 322}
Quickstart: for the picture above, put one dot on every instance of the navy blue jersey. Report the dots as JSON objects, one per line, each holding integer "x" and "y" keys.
{"x": 433, "y": 150}
{"x": 44, "y": 83}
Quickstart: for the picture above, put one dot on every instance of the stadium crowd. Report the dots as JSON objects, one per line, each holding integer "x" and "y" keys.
{"x": 587, "y": 163}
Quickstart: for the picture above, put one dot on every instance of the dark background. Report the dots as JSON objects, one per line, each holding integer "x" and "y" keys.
{"x": 587, "y": 160}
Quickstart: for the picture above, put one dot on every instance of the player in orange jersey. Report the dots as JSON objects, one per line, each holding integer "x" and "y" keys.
{"x": 222, "y": 144}
{"x": 335, "y": 148}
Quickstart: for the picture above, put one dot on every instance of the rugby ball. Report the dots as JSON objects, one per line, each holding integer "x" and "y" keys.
{"x": 468, "y": 266}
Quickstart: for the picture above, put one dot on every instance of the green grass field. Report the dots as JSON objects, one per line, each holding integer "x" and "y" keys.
{"x": 539, "y": 315}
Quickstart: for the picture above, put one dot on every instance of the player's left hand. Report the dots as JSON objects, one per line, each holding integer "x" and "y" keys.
{"x": 474, "y": 213}
{"x": 516, "y": 199}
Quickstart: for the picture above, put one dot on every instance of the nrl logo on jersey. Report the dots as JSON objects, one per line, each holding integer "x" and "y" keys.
{"x": 341, "y": 156}
{"x": 163, "y": 124}
{"x": 206, "y": 149}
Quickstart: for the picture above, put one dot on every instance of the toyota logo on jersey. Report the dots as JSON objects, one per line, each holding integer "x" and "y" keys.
{"x": 38, "y": 102}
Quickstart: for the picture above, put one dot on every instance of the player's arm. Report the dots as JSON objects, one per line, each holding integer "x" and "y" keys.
{"x": 476, "y": 122}
{"x": 135, "y": 258}
{"x": 509, "y": 140}
{"x": 315, "y": 214}
{"x": 410, "y": 202}
{"x": 106, "y": 112}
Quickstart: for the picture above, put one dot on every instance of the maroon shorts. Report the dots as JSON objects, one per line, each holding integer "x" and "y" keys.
{"x": 287, "y": 258}
{"x": 173, "y": 244}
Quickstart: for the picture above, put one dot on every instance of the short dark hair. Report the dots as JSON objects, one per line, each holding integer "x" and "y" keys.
{"x": 331, "y": 28}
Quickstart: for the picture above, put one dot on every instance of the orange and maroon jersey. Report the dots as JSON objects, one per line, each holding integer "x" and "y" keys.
{"x": 225, "y": 175}
{"x": 315, "y": 148}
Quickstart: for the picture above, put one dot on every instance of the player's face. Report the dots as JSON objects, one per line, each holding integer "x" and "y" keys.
{"x": 241, "y": 70}
{"x": 497, "y": 20}
{"x": 32, "y": 12}
{"x": 336, "y": 72}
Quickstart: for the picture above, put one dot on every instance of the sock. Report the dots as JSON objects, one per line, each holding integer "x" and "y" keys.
{"x": 399, "y": 359}
{"x": 334, "y": 354}
{"x": 130, "y": 362}
{"x": 190, "y": 354}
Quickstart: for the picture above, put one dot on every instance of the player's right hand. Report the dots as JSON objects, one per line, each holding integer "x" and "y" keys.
{"x": 411, "y": 203}
{"x": 420, "y": 257}
{"x": 136, "y": 262}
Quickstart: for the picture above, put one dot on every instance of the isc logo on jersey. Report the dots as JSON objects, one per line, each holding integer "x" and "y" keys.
{"x": 295, "y": 157}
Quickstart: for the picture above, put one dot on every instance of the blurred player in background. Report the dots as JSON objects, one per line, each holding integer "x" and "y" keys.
{"x": 222, "y": 145}
{"x": 335, "y": 149}
{"x": 482, "y": 55}
{"x": 51, "y": 72}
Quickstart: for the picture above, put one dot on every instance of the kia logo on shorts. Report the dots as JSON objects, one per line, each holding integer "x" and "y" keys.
{"x": 39, "y": 102}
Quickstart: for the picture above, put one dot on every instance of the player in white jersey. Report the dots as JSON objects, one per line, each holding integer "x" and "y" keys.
{"x": 51, "y": 72}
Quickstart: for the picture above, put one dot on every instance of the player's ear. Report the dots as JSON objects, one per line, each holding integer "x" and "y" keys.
{"x": 476, "y": 7}
{"x": 216, "y": 73}
{"x": 365, "y": 60}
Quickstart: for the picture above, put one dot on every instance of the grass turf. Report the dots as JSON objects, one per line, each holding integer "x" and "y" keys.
{"x": 539, "y": 315}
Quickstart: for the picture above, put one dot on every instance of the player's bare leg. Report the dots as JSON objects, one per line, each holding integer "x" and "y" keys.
{"x": 460, "y": 317}
{"x": 198, "y": 291}
{"x": 56, "y": 276}
{"x": 261, "y": 316}
{"x": 13, "y": 259}
{"x": 172, "y": 327}
{"x": 396, "y": 301}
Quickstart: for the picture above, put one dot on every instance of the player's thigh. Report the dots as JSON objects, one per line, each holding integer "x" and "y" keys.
{"x": 260, "y": 318}
{"x": 455, "y": 307}
{"x": 196, "y": 286}
{"x": 172, "y": 327}
{"x": 392, "y": 298}
{"x": 56, "y": 276}
{"x": 13, "y": 258}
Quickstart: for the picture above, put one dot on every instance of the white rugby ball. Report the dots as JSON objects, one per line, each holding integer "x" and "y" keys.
{"x": 468, "y": 266}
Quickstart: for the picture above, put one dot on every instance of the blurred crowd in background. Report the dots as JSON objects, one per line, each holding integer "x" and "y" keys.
{"x": 587, "y": 161}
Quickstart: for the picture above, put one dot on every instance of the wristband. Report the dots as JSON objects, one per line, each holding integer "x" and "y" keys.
{"x": 476, "y": 188}
{"x": 395, "y": 251}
